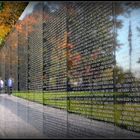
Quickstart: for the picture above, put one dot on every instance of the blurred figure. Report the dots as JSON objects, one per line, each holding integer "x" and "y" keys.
{"x": 1, "y": 85}
{"x": 10, "y": 85}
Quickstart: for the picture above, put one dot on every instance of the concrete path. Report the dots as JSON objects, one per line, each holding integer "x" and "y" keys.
{"x": 20, "y": 118}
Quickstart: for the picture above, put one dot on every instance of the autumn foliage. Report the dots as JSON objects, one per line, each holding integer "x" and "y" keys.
{"x": 9, "y": 15}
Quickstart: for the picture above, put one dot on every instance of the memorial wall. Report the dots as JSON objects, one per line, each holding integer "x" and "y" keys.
{"x": 35, "y": 52}
{"x": 55, "y": 55}
{"x": 83, "y": 57}
{"x": 127, "y": 78}
{"x": 54, "y": 50}
{"x": 2, "y": 63}
{"x": 91, "y": 60}
{"x": 13, "y": 44}
{"x": 23, "y": 63}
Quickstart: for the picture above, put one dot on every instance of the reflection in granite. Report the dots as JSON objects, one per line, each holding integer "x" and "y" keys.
{"x": 25, "y": 119}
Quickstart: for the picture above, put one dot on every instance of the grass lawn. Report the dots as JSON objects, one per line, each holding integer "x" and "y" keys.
{"x": 126, "y": 115}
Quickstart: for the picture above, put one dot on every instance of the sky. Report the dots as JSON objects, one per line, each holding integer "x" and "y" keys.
{"x": 122, "y": 55}
{"x": 53, "y": 6}
{"x": 28, "y": 9}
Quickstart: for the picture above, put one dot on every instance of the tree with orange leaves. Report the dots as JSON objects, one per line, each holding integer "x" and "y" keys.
{"x": 9, "y": 15}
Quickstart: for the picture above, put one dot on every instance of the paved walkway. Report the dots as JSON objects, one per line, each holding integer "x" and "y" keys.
{"x": 24, "y": 119}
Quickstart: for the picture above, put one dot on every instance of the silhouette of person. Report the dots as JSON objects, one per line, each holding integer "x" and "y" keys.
{"x": 1, "y": 85}
{"x": 10, "y": 85}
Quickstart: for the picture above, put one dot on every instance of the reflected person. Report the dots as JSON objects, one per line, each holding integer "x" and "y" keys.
{"x": 10, "y": 85}
{"x": 1, "y": 85}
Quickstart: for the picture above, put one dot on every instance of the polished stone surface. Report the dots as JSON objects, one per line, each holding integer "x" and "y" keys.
{"x": 24, "y": 119}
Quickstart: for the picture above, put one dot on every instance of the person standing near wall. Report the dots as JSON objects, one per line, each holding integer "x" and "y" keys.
{"x": 1, "y": 85}
{"x": 10, "y": 85}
